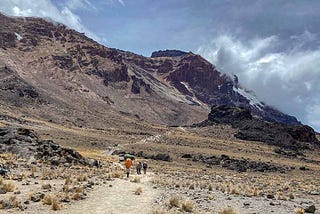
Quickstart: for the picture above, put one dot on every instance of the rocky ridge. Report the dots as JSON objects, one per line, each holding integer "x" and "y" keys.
{"x": 25, "y": 143}
{"x": 294, "y": 137}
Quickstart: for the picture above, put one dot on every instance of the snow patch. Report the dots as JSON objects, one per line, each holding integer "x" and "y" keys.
{"x": 253, "y": 101}
{"x": 186, "y": 85}
{"x": 18, "y": 36}
{"x": 189, "y": 98}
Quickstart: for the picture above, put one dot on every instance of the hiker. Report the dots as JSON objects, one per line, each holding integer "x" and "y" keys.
{"x": 145, "y": 167}
{"x": 128, "y": 166}
{"x": 4, "y": 171}
{"x": 139, "y": 167}
{"x": 97, "y": 164}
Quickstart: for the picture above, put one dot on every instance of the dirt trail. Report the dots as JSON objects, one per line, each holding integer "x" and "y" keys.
{"x": 119, "y": 198}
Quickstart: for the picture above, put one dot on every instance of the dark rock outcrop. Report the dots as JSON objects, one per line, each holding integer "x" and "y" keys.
{"x": 168, "y": 53}
{"x": 7, "y": 39}
{"x": 256, "y": 129}
{"x": 25, "y": 143}
{"x": 159, "y": 156}
{"x": 239, "y": 165}
{"x": 137, "y": 84}
{"x": 16, "y": 91}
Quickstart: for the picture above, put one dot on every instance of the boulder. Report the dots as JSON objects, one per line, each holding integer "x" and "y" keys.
{"x": 310, "y": 209}
{"x": 25, "y": 143}
{"x": 293, "y": 137}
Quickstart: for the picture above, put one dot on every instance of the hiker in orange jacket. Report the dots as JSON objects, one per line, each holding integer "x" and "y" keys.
{"x": 128, "y": 166}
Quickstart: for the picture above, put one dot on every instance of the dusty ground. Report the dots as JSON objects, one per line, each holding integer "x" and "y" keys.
{"x": 208, "y": 189}
{"x": 119, "y": 198}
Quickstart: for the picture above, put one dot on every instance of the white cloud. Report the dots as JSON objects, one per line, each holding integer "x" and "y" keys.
{"x": 287, "y": 79}
{"x": 122, "y": 2}
{"x": 46, "y": 9}
{"x": 80, "y": 4}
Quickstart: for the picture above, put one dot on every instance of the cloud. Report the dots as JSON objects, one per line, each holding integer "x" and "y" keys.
{"x": 287, "y": 77}
{"x": 80, "y": 5}
{"x": 46, "y": 9}
{"x": 122, "y": 2}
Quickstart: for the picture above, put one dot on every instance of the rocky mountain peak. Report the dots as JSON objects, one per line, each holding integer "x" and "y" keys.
{"x": 168, "y": 53}
{"x": 62, "y": 64}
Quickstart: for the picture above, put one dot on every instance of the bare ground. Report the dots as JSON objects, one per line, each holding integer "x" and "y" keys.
{"x": 119, "y": 198}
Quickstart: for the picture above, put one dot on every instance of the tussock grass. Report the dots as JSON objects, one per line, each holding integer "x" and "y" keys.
{"x": 174, "y": 201}
{"x": 138, "y": 191}
{"x": 47, "y": 200}
{"x": 82, "y": 178}
{"x": 68, "y": 180}
{"x": 300, "y": 210}
{"x": 79, "y": 189}
{"x": 228, "y": 210}
{"x": 8, "y": 186}
{"x": 76, "y": 196}
{"x": 159, "y": 211}
{"x": 30, "y": 195}
{"x": 191, "y": 186}
{"x": 14, "y": 202}
{"x": 136, "y": 179}
{"x": 46, "y": 186}
{"x": 55, "y": 204}
{"x": 188, "y": 205}
{"x": 291, "y": 196}
{"x": 117, "y": 174}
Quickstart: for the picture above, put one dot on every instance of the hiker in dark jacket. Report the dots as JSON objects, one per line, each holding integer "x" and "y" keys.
{"x": 139, "y": 167}
{"x": 145, "y": 167}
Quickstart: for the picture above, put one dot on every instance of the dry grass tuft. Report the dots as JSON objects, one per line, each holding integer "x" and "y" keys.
{"x": 138, "y": 191}
{"x": 56, "y": 204}
{"x": 79, "y": 189}
{"x": 210, "y": 197}
{"x": 76, "y": 196}
{"x": 228, "y": 210}
{"x": 82, "y": 178}
{"x": 46, "y": 186}
{"x": 47, "y": 200}
{"x": 68, "y": 181}
{"x": 191, "y": 186}
{"x": 188, "y": 205}
{"x": 291, "y": 196}
{"x": 8, "y": 187}
{"x": 14, "y": 202}
{"x": 299, "y": 210}
{"x": 159, "y": 211}
{"x": 174, "y": 201}
{"x": 30, "y": 195}
{"x": 117, "y": 174}
{"x": 136, "y": 179}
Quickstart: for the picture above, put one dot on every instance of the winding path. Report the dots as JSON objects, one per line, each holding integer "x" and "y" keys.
{"x": 119, "y": 198}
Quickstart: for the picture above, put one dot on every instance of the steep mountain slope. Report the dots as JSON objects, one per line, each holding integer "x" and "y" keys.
{"x": 198, "y": 82}
{"x": 58, "y": 74}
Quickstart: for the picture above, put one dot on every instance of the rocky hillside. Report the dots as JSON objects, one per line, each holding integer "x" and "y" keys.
{"x": 293, "y": 137}
{"x": 65, "y": 77}
{"x": 25, "y": 143}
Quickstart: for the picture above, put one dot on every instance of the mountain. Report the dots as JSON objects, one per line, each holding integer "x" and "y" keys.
{"x": 50, "y": 71}
{"x": 293, "y": 137}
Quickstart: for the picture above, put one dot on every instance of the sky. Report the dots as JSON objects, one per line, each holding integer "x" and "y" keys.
{"x": 272, "y": 46}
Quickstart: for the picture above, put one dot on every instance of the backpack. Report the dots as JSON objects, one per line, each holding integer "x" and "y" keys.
{"x": 145, "y": 165}
{"x": 128, "y": 163}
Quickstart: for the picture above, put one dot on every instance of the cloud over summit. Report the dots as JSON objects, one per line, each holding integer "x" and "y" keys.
{"x": 287, "y": 78}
